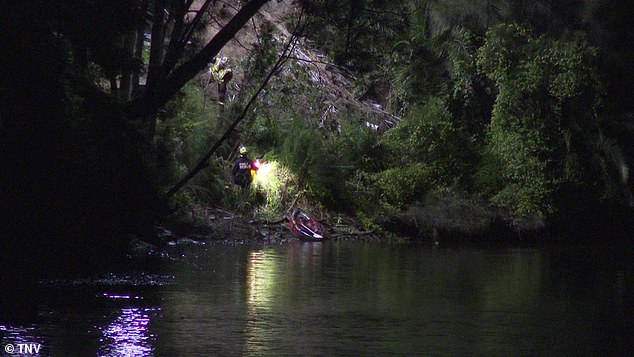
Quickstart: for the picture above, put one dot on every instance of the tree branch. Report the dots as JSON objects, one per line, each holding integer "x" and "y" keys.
{"x": 182, "y": 34}
{"x": 174, "y": 47}
{"x": 189, "y": 31}
{"x": 152, "y": 100}
{"x": 204, "y": 161}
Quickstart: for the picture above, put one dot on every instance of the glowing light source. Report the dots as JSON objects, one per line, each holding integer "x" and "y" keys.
{"x": 273, "y": 181}
{"x": 263, "y": 172}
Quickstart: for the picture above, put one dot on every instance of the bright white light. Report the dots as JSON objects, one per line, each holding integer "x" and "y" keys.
{"x": 263, "y": 173}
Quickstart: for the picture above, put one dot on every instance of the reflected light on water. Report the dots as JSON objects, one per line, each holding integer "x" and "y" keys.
{"x": 261, "y": 276}
{"x": 261, "y": 281}
{"x": 122, "y": 296}
{"x": 128, "y": 335}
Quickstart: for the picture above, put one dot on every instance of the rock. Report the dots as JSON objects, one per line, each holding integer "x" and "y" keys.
{"x": 189, "y": 241}
{"x": 184, "y": 242}
{"x": 140, "y": 248}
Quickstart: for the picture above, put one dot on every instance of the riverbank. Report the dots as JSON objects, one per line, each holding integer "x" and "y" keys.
{"x": 215, "y": 224}
{"x": 435, "y": 220}
{"x": 461, "y": 219}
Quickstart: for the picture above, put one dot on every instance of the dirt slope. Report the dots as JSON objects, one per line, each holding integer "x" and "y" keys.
{"x": 334, "y": 82}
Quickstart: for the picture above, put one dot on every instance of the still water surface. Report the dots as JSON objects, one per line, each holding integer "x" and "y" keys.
{"x": 341, "y": 298}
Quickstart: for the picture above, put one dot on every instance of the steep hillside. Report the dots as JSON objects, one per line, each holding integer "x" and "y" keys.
{"x": 334, "y": 82}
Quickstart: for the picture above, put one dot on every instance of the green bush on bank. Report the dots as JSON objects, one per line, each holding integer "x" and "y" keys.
{"x": 544, "y": 125}
{"x": 429, "y": 135}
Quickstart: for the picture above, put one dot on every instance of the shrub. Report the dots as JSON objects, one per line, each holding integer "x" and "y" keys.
{"x": 305, "y": 152}
{"x": 429, "y": 136}
{"x": 541, "y": 123}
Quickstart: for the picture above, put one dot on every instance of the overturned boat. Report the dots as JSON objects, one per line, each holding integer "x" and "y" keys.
{"x": 304, "y": 226}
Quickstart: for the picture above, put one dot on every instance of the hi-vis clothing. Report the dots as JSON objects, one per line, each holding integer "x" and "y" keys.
{"x": 219, "y": 70}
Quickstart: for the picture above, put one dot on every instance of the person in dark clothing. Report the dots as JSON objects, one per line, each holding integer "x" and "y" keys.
{"x": 241, "y": 172}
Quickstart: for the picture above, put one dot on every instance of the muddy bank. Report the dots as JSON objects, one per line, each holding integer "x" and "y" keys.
{"x": 205, "y": 225}
{"x": 436, "y": 220}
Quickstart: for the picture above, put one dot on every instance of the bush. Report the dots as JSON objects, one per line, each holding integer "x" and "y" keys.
{"x": 306, "y": 153}
{"x": 278, "y": 185}
{"x": 185, "y": 132}
{"x": 541, "y": 124}
{"x": 403, "y": 185}
{"x": 358, "y": 148}
{"x": 430, "y": 136}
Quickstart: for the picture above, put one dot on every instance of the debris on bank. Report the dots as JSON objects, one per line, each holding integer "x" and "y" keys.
{"x": 200, "y": 225}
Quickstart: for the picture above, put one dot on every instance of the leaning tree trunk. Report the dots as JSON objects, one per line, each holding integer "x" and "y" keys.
{"x": 161, "y": 88}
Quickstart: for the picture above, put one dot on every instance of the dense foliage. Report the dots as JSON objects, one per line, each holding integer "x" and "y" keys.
{"x": 521, "y": 106}
{"x": 506, "y": 101}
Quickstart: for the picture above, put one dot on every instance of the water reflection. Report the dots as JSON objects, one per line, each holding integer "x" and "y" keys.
{"x": 128, "y": 334}
{"x": 309, "y": 253}
{"x": 348, "y": 298}
{"x": 261, "y": 281}
{"x": 261, "y": 276}
{"x": 279, "y": 282}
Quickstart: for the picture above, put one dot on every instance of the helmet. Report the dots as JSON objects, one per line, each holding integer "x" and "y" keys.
{"x": 243, "y": 150}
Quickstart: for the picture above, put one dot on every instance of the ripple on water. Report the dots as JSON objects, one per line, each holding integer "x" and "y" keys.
{"x": 140, "y": 279}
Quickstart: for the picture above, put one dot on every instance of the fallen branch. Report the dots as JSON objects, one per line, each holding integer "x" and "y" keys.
{"x": 269, "y": 223}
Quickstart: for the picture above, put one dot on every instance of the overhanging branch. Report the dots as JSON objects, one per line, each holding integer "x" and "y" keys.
{"x": 204, "y": 161}
{"x": 152, "y": 100}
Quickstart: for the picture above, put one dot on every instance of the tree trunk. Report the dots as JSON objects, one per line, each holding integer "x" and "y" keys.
{"x": 114, "y": 90}
{"x": 125, "y": 89}
{"x": 155, "y": 70}
{"x": 160, "y": 93}
{"x": 156, "y": 46}
{"x": 138, "y": 55}
{"x": 138, "y": 48}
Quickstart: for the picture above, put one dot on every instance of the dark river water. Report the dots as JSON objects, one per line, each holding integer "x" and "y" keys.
{"x": 338, "y": 298}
